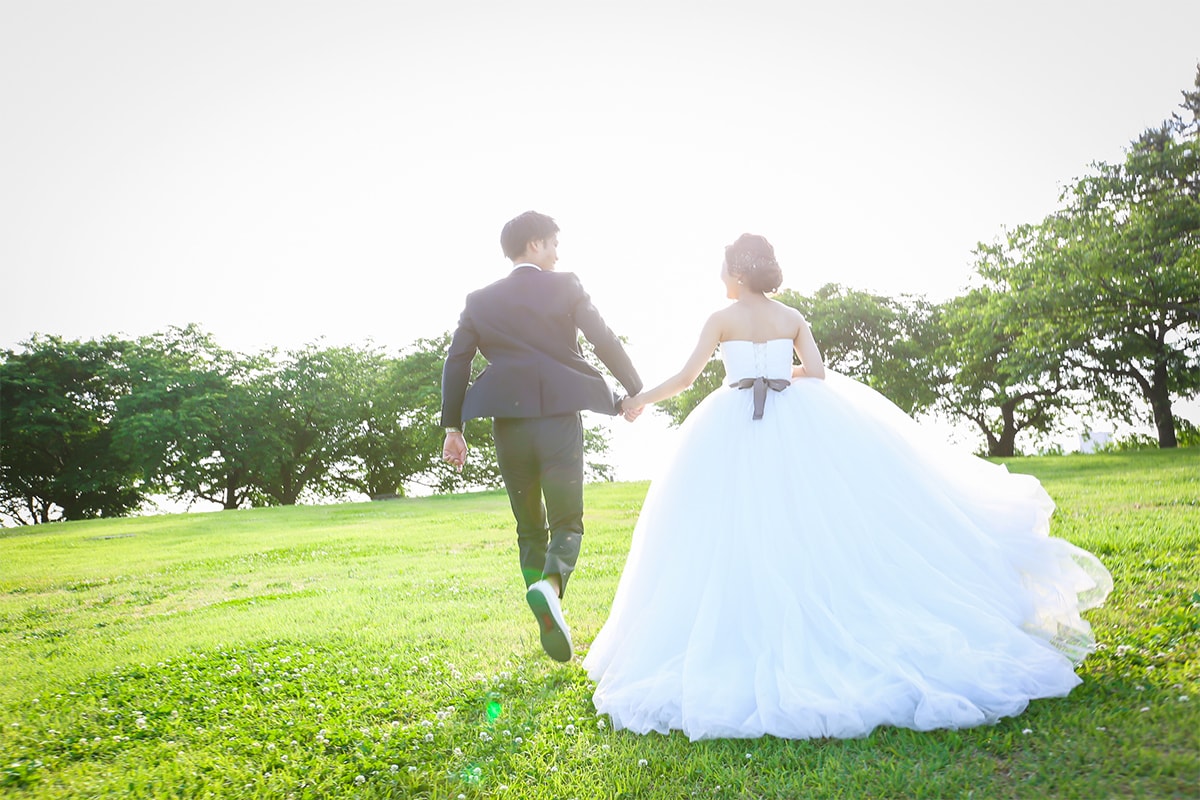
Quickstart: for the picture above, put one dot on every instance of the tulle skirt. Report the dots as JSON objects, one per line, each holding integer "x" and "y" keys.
{"x": 829, "y": 569}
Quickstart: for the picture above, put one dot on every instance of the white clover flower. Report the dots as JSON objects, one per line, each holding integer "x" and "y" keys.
{"x": 1183, "y": 698}
{"x": 429, "y": 737}
{"x": 1027, "y": 731}
{"x": 601, "y": 724}
{"x": 1145, "y": 708}
{"x": 570, "y": 730}
{"x": 642, "y": 762}
{"x": 458, "y": 751}
{"x": 411, "y": 770}
{"x": 360, "y": 780}
{"x": 518, "y": 740}
{"x": 749, "y": 756}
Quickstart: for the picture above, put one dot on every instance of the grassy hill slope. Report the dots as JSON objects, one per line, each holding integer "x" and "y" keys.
{"x": 384, "y": 650}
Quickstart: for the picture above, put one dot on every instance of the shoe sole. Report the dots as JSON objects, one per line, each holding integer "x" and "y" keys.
{"x": 555, "y": 641}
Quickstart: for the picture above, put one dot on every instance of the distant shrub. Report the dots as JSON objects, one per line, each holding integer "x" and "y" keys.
{"x": 1187, "y": 434}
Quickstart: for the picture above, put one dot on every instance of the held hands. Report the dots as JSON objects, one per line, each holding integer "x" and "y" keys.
{"x": 454, "y": 449}
{"x": 630, "y": 408}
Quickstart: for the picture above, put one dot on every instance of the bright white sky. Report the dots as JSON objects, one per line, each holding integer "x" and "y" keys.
{"x": 283, "y": 171}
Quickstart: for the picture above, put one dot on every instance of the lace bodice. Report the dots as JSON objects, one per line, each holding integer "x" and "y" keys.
{"x": 770, "y": 359}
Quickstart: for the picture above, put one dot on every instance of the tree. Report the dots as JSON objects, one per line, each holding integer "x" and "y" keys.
{"x": 399, "y": 443}
{"x": 991, "y": 379}
{"x": 313, "y": 404}
{"x": 885, "y": 342}
{"x": 191, "y": 420}
{"x": 57, "y": 456}
{"x": 1112, "y": 281}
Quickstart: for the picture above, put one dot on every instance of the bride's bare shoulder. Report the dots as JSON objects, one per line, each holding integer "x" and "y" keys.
{"x": 788, "y": 315}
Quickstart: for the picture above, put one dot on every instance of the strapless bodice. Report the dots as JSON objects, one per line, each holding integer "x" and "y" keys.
{"x": 744, "y": 359}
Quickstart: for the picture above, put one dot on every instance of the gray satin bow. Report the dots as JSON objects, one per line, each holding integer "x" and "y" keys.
{"x": 760, "y": 386}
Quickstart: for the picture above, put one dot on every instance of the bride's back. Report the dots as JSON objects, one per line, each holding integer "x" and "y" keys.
{"x": 759, "y": 319}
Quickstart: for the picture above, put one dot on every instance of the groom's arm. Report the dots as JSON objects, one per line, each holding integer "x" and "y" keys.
{"x": 456, "y": 373}
{"x": 608, "y": 347}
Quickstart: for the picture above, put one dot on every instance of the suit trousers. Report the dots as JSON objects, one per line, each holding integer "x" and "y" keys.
{"x": 541, "y": 462}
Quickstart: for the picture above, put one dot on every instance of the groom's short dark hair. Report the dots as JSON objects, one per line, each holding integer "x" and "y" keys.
{"x": 520, "y": 231}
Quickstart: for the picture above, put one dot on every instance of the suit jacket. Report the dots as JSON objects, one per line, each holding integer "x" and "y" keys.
{"x": 527, "y": 327}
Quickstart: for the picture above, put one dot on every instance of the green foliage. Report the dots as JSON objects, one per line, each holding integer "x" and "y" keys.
{"x": 399, "y": 442}
{"x": 192, "y": 420}
{"x": 91, "y": 428}
{"x": 58, "y": 457}
{"x": 268, "y": 652}
{"x": 314, "y": 401}
{"x": 1187, "y": 435}
{"x": 992, "y": 377}
{"x": 1131, "y": 240}
{"x": 887, "y": 343}
{"x": 1106, "y": 291}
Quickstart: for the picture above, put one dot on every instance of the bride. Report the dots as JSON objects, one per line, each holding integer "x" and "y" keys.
{"x": 811, "y": 564}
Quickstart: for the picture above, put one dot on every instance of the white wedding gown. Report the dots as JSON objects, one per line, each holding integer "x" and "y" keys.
{"x": 828, "y": 568}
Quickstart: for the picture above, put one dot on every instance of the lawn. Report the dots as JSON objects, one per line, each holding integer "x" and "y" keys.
{"x": 384, "y": 650}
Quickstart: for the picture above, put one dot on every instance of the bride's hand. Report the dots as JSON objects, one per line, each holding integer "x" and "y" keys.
{"x": 630, "y": 408}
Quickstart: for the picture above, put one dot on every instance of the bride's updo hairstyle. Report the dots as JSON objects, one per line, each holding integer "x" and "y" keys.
{"x": 751, "y": 259}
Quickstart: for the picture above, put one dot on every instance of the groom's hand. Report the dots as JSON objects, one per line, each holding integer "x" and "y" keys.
{"x": 628, "y": 410}
{"x": 454, "y": 449}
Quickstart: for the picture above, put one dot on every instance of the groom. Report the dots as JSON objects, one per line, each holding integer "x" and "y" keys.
{"x": 535, "y": 385}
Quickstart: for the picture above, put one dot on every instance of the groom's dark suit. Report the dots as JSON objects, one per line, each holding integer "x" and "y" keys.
{"x": 537, "y": 381}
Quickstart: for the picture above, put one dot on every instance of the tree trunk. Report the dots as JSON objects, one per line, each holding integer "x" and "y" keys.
{"x": 1005, "y": 445}
{"x": 231, "y": 487}
{"x": 1160, "y": 403}
{"x": 988, "y": 436}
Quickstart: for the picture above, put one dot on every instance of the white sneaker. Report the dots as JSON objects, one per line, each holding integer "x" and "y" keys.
{"x": 556, "y": 636}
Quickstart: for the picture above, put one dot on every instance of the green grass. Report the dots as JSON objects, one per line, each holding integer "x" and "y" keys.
{"x": 384, "y": 650}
